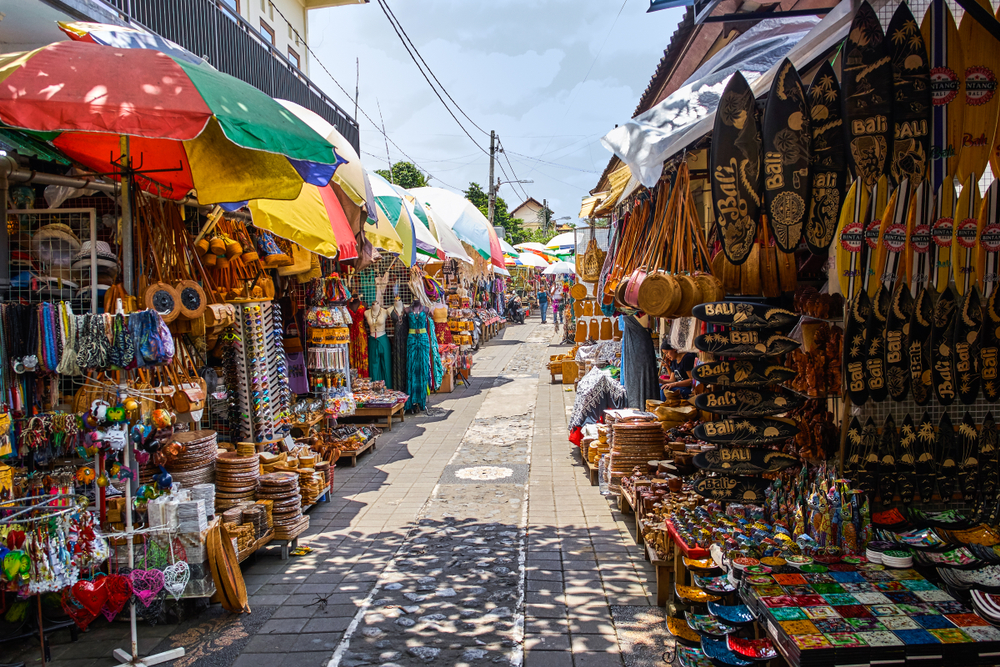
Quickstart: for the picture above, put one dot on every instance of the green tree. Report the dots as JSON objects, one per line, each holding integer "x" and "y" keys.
{"x": 405, "y": 175}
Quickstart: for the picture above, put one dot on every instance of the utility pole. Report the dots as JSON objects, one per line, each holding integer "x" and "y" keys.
{"x": 493, "y": 188}
{"x": 545, "y": 213}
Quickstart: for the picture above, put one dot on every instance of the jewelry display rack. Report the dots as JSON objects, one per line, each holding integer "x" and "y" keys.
{"x": 262, "y": 393}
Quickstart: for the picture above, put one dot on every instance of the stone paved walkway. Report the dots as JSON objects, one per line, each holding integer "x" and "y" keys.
{"x": 469, "y": 537}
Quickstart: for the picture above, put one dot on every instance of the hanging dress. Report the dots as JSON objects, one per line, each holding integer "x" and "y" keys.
{"x": 418, "y": 361}
{"x": 359, "y": 341}
{"x": 638, "y": 365}
{"x": 398, "y": 348}
{"x": 378, "y": 347}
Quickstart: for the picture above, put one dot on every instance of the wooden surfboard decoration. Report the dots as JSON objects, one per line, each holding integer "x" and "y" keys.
{"x": 948, "y": 103}
{"x": 736, "y": 169}
{"x": 743, "y": 373}
{"x": 855, "y": 352}
{"x": 919, "y": 346}
{"x": 982, "y": 66}
{"x": 966, "y": 346}
{"x": 989, "y": 479}
{"x": 850, "y": 239}
{"x": 988, "y": 245}
{"x": 968, "y": 457}
{"x": 942, "y": 352}
{"x": 867, "y": 88}
{"x": 947, "y": 468}
{"x": 728, "y": 489}
{"x": 828, "y": 165}
{"x": 868, "y": 463}
{"x": 942, "y": 233}
{"x": 746, "y": 431}
{"x": 743, "y": 461}
{"x": 906, "y": 461}
{"x": 897, "y": 355}
{"x": 747, "y": 402}
{"x": 911, "y": 107}
{"x": 927, "y": 457}
{"x": 745, "y": 316}
{"x": 918, "y": 223}
{"x": 990, "y": 348}
{"x": 852, "y": 458}
{"x": 875, "y": 346}
{"x": 966, "y": 235}
{"x": 787, "y": 140}
{"x": 888, "y": 453}
{"x": 745, "y": 344}
{"x": 893, "y": 238}
{"x": 879, "y": 204}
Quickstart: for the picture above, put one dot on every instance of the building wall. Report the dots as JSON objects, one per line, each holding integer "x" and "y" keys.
{"x": 287, "y": 35}
{"x": 529, "y": 213}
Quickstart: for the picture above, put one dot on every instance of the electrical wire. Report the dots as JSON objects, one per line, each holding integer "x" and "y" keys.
{"x": 406, "y": 46}
{"x": 554, "y": 164}
{"x": 386, "y": 8}
{"x": 503, "y": 151}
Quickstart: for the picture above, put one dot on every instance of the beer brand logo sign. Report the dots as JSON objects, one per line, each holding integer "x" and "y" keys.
{"x": 990, "y": 238}
{"x": 980, "y": 85}
{"x": 895, "y": 238}
{"x": 942, "y": 232}
{"x": 871, "y": 233}
{"x": 920, "y": 241}
{"x": 966, "y": 233}
{"x": 944, "y": 85}
{"x": 853, "y": 236}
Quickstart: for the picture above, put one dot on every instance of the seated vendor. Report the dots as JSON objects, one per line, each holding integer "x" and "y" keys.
{"x": 677, "y": 370}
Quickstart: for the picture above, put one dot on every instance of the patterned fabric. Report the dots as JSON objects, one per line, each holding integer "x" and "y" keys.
{"x": 359, "y": 341}
{"x": 418, "y": 361}
{"x": 378, "y": 360}
{"x": 443, "y": 333}
{"x": 596, "y": 392}
{"x": 398, "y": 364}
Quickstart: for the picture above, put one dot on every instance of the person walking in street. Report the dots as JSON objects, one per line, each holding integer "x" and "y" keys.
{"x": 543, "y": 301}
{"x": 557, "y": 302}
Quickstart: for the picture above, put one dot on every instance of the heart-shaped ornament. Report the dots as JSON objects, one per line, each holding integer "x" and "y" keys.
{"x": 176, "y": 578}
{"x": 91, "y": 594}
{"x": 146, "y": 584}
{"x": 75, "y": 610}
{"x": 119, "y": 588}
{"x": 153, "y": 613}
{"x": 15, "y": 539}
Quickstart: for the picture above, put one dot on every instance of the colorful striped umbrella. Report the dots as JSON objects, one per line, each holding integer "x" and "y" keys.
{"x": 315, "y": 220}
{"x": 199, "y": 128}
{"x": 392, "y": 204}
{"x": 468, "y": 223}
{"x": 448, "y": 242}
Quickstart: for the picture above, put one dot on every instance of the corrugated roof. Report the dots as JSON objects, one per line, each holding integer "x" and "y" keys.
{"x": 618, "y": 179}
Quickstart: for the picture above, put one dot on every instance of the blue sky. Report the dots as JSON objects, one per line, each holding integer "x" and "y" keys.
{"x": 519, "y": 67}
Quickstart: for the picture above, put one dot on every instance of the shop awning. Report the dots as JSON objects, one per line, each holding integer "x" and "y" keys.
{"x": 618, "y": 179}
{"x": 588, "y": 204}
{"x": 315, "y": 220}
{"x": 645, "y": 142}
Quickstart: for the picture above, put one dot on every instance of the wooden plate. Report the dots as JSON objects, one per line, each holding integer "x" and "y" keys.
{"x": 747, "y": 402}
{"x": 911, "y": 121}
{"x": 736, "y": 168}
{"x": 746, "y": 431}
{"x": 787, "y": 140}
{"x": 867, "y": 85}
{"x": 743, "y": 315}
{"x": 828, "y": 167}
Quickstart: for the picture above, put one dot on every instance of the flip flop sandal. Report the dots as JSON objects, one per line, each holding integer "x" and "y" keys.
{"x": 300, "y": 551}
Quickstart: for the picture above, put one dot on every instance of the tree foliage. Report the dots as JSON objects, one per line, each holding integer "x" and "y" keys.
{"x": 405, "y": 175}
{"x": 516, "y": 232}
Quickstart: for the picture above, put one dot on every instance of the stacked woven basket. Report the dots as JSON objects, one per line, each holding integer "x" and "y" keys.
{"x": 634, "y": 443}
{"x": 196, "y": 464}
{"x": 283, "y": 489}
{"x": 235, "y": 480}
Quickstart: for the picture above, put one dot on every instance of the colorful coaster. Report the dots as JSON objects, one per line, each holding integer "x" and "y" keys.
{"x": 769, "y": 591}
{"x": 839, "y": 599}
{"x": 789, "y": 579}
{"x": 804, "y": 589}
{"x": 811, "y": 641}
{"x": 886, "y": 586}
{"x": 950, "y": 607}
{"x": 919, "y": 585}
{"x": 910, "y": 637}
{"x": 983, "y": 633}
{"x": 808, "y": 600}
{"x": 902, "y": 597}
{"x": 896, "y": 623}
{"x": 827, "y": 588}
{"x": 917, "y": 609}
{"x": 855, "y": 611}
{"x": 788, "y": 614}
{"x": 800, "y": 627}
{"x": 845, "y": 639}
{"x": 967, "y": 620}
{"x": 821, "y": 612}
{"x": 819, "y": 578}
{"x": 933, "y": 622}
{"x": 934, "y": 596}
{"x": 847, "y": 577}
{"x": 871, "y": 598}
{"x": 832, "y": 625}
{"x": 880, "y": 639}
{"x": 867, "y": 624}
{"x": 886, "y": 610}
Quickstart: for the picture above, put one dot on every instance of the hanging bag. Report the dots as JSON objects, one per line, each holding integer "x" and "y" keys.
{"x": 593, "y": 259}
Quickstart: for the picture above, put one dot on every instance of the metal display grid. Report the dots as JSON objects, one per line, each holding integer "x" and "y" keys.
{"x": 362, "y": 284}
{"x": 262, "y": 390}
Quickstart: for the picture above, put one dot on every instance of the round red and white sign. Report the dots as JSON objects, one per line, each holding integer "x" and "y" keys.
{"x": 942, "y": 231}
{"x": 852, "y": 237}
{"x": 895, "y": 238}
{"x": 944, "y": 85}
{"x": 967, "y": 232}
{"x": 980, "y": 85}
{"x": 920, "y": 240}
{"x": 990, "y": 238}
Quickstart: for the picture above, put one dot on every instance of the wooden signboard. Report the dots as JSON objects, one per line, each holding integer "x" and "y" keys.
{"x": 745, "y": 344}
{"x": 990, "y": 348}
{"x": 875, "y": 346}
{"x": 888, "y": 453}
{"x": 744, "y": 460}
{"x": 868, "y": 459}
{"x": 982, "y": 66}
{"x": 855, "y": 352}
{"x": 968, "y": 459}
{"x": 968, "y": 326}
{"x": 965, "y": 236}
{"x": 743, "y": 373}
{"x": 854, "y": 454}
{"x": 747, "y": 402}
{"x": 736, "y": 169}
{"x": 897, "y": 354}
{"x": 942, "y": 342}
{"x": 742, "y": 316}
{"x": 850, "y": 239}
{"x": 728, "y": 489}
{"x": 927, "y": 457}
{"x": 746, "y": 431}
{"x": 868, "y": 88}
{"x": 948, "y": 458}
{"x": 787, "y": 140}
{"x": 919, "y": 346}
{"x": 911, "y": 110}
{"x": 906, "y": 462}
{"x": 947, "y": 85}
{"x": 828, "y": 165}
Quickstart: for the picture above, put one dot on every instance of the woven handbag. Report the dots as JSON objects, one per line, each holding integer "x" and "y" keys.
{"x": 593, "y": 260}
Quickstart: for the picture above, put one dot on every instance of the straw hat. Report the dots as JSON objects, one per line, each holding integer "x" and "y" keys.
{"x": 24, "y": 279}
{"x": 106, "y": 257}
{"x": 55, "y": 244}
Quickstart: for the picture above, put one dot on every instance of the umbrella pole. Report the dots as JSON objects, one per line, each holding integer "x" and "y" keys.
{"x": 127, "y": 251}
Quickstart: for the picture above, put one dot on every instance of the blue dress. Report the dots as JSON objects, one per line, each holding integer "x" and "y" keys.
{"x": 418, "y": 360}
